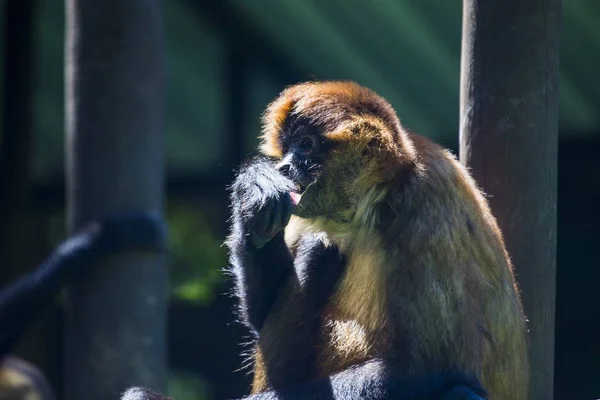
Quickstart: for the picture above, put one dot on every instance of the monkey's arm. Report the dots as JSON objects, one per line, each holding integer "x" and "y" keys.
{"x": 259, "y": 273}
{"x": 260, "y": 259}
{"x": 292, "y": 357}
{"x": 23, "y": 300}
{"x": 370, "y": 381}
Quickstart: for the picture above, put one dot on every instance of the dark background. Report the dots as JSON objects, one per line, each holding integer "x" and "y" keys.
{"x": 226, "y": 60}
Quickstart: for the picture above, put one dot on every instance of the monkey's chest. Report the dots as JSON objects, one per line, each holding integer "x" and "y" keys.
{"x": 329, "y": 317}
{"x": 353, "y": 320}
{"x": 343, "y": 343}
{"x": 309, "y": 346}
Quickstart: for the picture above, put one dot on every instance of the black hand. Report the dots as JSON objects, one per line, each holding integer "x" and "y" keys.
{"x": 261, "y": 202}
{"x": 270, "y": 219}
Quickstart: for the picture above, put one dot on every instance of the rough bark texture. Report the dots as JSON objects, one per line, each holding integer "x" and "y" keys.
{"x": 115, "y": 321}
{"x": 508, "y": 137}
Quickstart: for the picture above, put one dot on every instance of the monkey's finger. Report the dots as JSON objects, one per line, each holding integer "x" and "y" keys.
{"x": 287, "y": 211}
{"x": 261, "y": 220}
{"x": 264, "y": 220}
{"x": 275, "y": 217}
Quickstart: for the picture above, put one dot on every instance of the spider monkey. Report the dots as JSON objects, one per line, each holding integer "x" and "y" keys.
{"x": 366, "y": 261}
{"x": 26, "y": 298}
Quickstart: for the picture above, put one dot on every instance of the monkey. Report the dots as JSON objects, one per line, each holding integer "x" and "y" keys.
{"x": 22, "y": 301}
{"x": 367, "y": 263}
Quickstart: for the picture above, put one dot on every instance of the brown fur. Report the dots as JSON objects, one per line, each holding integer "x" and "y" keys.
{"x": 428, "y": 281}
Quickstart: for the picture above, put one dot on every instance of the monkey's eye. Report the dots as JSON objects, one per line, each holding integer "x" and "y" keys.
{"x": 306, "y": 144}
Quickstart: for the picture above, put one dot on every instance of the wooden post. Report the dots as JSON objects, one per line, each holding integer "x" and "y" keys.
{"x": 509, "y": 139}
{"x": 115, "y": 329}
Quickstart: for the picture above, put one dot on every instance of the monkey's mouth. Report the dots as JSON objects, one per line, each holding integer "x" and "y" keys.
{"x": 295, "y": 197}
{"x": 306, "y": 202}
{"x": 303, "y": 180}
{"x": 299, "y": 192}
{"x": 304, "y": 197}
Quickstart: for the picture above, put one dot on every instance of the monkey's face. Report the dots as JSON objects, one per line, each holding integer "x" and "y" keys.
{"x": 304, "y": 154}
{"x": 304, "y": 151}
{"x": 337, "y": 141}
{"x": 332, "y": 169}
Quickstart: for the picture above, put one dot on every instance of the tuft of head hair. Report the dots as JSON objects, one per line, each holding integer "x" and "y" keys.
{"x": 140, "y": 393}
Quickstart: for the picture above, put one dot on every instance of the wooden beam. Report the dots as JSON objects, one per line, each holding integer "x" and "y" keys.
{"x": 115, "y": 319}
{"x": 508, "y": 137}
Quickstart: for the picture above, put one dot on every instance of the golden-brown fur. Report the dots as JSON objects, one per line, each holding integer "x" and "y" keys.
{"x": 428, "y": 281}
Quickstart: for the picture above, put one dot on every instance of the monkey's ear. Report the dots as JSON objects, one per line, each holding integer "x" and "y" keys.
{"x": 372, "y": 147}
{"x": 380, "y": 150}
{"x": 373, "y": 134}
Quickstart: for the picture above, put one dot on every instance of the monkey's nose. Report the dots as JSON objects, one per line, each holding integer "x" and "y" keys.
{"x": 286, "y": 170}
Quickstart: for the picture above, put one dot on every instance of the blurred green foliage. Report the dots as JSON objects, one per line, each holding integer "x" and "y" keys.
{"x": 186, "y": 386}
{"x": 197, "y": 256}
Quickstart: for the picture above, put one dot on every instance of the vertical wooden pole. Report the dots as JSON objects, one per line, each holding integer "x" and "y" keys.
{"x": 116, "y": 319}
{"x": 509, "y": 139}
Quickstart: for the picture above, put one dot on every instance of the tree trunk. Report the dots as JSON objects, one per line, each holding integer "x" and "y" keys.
{"x": 115, "y": 328}
{"x": 509, "y": 139}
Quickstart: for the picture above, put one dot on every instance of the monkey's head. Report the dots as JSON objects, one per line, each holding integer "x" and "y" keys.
{"x": 338, "y": 141}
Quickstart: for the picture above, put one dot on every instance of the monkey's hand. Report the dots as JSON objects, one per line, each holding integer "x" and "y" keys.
{"x": 261, "y": 200}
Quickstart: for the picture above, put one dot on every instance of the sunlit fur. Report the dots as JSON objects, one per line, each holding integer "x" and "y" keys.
{"x": 428, "y": 282}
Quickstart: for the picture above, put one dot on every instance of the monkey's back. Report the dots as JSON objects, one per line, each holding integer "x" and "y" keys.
{"x": 432, "y": 288}
{"x": 373, "y": 316}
